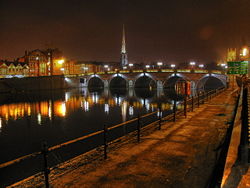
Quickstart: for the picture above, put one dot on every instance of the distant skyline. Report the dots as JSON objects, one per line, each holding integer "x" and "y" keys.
{"x": 159, "y": 30}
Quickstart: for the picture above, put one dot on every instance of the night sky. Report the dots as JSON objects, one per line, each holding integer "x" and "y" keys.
{"x": 156, "y": 30}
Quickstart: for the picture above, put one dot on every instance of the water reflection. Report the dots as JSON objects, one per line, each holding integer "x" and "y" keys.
{"x": 62, "y": 116}
{"x": 84, "y": 99}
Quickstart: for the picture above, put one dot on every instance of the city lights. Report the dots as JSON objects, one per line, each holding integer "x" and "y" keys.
{"x": 201, "y": 66}
{"x": 147, "y": 66}
{"x": 130, "y": 64}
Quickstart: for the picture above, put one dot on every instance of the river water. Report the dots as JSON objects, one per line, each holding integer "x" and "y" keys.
{"x": 29, "y": 119}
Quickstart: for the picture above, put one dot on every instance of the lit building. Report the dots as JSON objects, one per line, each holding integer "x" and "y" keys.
{"x": 15, "y": 68}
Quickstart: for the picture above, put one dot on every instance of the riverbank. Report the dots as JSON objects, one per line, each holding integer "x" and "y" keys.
{"x": 181, "y": 154}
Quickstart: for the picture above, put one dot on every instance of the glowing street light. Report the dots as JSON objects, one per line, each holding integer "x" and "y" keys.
{"x": 60, "y": 61}
{"x": 130, "y": 65}
{"x": 124, "y": 67}
{"x": 106, "y": 66}
{"x": 159, "y": 64}
{"x": 147, "y": 66}
{"x": 192, "y": 63}
{"x": 201, "y": 66}
{"x": 172, "y": 65}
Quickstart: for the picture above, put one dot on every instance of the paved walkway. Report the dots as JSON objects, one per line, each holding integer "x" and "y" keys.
{"x": 182, "y": 154}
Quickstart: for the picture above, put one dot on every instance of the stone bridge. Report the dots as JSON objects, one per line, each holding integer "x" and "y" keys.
{"x": 165, "y": 78}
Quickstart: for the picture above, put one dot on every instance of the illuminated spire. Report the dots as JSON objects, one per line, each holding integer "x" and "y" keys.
{"x": 124, "y": 56}
{"x": 123, "y": 41}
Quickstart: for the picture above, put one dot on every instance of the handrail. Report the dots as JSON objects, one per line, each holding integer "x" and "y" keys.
{"x": 34, "y": 154}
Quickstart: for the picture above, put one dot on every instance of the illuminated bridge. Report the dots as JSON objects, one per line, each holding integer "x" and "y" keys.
{"x": 154, "y": 78}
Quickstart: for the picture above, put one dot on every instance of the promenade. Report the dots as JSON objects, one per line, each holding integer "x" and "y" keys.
{"x": 181, "y": 154}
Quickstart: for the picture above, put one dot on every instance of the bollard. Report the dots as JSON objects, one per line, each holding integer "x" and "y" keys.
{"x": 138, "y": 128}
{"x": 174, "y": 108}
{"x": 160, "y": 116}
{"x": 46, "y": 169}
{"x": 105, "y": 144}
{"x": 192, "y": 103}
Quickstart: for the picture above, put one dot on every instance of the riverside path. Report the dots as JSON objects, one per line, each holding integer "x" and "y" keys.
{"x": 181, "y": 154}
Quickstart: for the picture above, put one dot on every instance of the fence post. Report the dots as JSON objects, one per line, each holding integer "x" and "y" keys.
{"x": 138, "y": 128}
{"x": 46, "y": 169}
{"x": 198, "y": 98}
{"x": 160, "y": 116}
{"x": 185, "y": 106}
{"x": 105, "y": 144}
{"x": 192, "y": 103}
{"x": 174, "y": 108}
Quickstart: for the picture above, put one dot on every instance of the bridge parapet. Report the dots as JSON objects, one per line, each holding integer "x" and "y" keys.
{"x": 160, "y": 77}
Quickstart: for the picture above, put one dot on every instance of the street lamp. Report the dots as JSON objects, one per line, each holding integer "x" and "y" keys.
{"x": 124, "y": 67}
{"x": 172, "y": 65}
{"x": 192, "y": 63}
{"x": 147, "y": 66}
{"x": 159, "y": 64}
{"x": 130, "y": 65}
{"x": 201, "y": 66}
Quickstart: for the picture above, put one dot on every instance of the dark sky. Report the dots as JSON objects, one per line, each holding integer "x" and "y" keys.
{"x": 166, "y": 30}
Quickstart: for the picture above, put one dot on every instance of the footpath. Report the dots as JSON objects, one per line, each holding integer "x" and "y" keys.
{"x": 181, "y": 154}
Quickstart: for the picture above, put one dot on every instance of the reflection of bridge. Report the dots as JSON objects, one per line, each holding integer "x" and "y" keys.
{"x": 164, "y": 78}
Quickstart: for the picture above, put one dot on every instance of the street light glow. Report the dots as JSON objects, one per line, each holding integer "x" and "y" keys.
{"x": 60, "y": 61}
{"x": 172, "y": 65}
{"x": 244, "y": 51}
{"x": 147, "y": 66}
{"x": 130, "y": 64}
{"x": 159, "y": 63}
{"x": 106, "y": 66}
{"x": 192, "y": 63}
{"x": 201, "y": 66}
{"x": 125, "y": 67}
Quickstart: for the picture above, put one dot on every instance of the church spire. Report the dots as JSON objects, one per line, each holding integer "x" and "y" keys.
{"x": 124, "y": 57}
{"x": 123, "y": 41}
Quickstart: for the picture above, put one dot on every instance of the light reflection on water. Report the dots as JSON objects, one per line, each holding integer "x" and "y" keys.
{"x": 71, "y": 114}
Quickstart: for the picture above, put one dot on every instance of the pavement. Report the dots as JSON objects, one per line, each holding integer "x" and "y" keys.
{"x": 181, "y": 154}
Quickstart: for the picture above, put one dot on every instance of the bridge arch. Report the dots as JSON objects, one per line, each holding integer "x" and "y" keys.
{"x": 95, "y": 82}
{"x": 118, "y": 81}
{"x": 211, "y": 81}
{"x": 173, "y": 79}
{"x": 145, "y": 80}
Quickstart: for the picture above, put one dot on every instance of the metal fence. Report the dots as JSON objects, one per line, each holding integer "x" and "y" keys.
{"x": 107, "y": 135}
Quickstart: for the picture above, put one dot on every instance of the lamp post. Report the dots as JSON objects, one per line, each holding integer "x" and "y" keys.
{"x": 159, "y": 64}
{"x": 172, "y": 66}
{"x": 201, "y": 66}
{"x": 192, "y": 63}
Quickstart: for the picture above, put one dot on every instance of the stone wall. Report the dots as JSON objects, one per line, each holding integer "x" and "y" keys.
{"x": 8, "y": 85}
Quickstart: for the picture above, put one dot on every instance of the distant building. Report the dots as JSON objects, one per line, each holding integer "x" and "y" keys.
{"x": 39, "y": 62}
{"x": 18, "y": 69}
